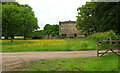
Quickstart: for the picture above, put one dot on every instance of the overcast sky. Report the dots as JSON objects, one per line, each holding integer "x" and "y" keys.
{"x": 53, "y": 11}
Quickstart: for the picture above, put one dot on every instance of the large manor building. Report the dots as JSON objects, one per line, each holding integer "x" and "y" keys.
{"x": 68, "y": 29}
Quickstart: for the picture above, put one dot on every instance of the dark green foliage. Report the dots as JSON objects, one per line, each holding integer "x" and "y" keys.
{"x": 51, "y": 29}
{"x": 99, "y": 17}
{"x": 37, "y": 37}
{"x": 0, "y": 21}
{"x": 30, "y": 22}
{"x": 48, "y": 30}
{"x": 10, "y": 19}
{"x": 17, "y": 19}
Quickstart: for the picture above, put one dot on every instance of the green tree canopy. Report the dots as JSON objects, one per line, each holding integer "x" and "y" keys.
{"x": 11, "y": 18}
{"x": 30, "y": 23}
{"x": 99, "y": 17}
{"x": 51, "y": 29}
{"x": 18, "y": 19}
{"x": 48, "y": 30}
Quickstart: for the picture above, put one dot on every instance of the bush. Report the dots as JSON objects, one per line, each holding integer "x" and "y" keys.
{"x": 104, "y": 35}
{"x": 37, "y": 37}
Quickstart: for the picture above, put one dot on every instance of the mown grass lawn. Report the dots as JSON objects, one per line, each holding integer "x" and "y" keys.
{"x": 49, "y": 45}
{"x": 105, "y": 63}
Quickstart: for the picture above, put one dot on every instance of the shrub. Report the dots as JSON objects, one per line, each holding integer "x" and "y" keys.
{"x": 104, "y": 35}
{"x": 37, "y": 37}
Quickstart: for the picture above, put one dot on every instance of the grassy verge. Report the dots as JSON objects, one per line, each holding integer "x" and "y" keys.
{"x": 48, "y": 45}
{"x": 105, "y": 63}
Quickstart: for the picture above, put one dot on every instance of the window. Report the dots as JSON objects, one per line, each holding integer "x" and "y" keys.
{"x": 75, "y": 35}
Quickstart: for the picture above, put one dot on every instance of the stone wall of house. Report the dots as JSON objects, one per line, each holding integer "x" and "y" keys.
{"x": 68, "y": 29}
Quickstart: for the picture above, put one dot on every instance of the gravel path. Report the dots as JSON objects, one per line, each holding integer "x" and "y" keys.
{"x": 16, "y": 60}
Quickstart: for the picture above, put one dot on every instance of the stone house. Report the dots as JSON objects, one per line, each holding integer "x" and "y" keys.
{"x": 68, "y": 29}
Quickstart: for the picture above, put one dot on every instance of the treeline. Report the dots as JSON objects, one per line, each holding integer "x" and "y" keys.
{"x": 99, "y": 17}
{"x": 48, "y": 30}
{"x": 18, "y": 19}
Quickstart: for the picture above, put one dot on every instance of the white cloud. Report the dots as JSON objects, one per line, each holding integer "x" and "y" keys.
{"x": 53, "y": 11}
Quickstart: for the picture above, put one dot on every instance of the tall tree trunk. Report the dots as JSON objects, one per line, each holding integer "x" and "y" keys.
{"x": 24, "y": 37}
{"x": 12, "y": 37}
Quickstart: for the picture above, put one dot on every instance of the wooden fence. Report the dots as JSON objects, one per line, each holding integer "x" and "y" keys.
{"x": 99, "y": 54}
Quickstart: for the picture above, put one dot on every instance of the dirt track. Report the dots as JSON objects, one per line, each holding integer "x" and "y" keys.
{"x": 12, "y": 61}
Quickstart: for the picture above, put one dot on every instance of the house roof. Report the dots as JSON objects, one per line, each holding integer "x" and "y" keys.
{"x": 67, "y": 21}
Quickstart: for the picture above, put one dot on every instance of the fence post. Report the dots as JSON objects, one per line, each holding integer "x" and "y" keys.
{"x": 98, "y": 48}
{"x": 110, "y": 41}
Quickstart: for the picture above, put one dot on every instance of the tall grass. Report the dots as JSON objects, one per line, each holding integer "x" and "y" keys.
{"x": 48, "y": 45}
{"x": 89, "y": 43}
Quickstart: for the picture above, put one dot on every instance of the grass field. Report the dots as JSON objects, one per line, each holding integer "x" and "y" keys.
{"x": 105, "y": 63}
{"x": 48, "y": 45}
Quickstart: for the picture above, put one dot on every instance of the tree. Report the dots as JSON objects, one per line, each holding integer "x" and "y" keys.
{"x": 18, "y": 19}
{"x": 51, "y": 29}
{"x": 98, "y": 17}
{"x": 107, "y": 16}
{"x": 11, "y": 19}
{"x": 30, "y": 23}
{"x": 55, "y": 30}
{"x": 48, "y": 30}
{"x": 0, "y": 20}
{"x": 85, "y": 18}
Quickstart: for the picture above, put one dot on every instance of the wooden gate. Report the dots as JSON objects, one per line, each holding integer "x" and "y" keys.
{"x": 110, "y": 43}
